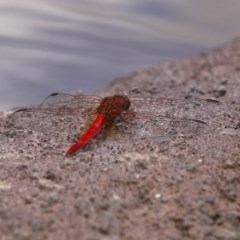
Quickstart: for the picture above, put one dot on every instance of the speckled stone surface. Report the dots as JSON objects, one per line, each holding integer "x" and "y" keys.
{"x": 178, "y": 187}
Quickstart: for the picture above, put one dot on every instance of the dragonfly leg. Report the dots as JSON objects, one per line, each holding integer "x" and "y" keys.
{"x": 110, "y": 130}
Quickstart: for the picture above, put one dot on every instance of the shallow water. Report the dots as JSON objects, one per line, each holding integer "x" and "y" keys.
{"x": 49, "y": 46}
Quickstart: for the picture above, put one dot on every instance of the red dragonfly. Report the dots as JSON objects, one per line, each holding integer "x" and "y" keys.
{"x": 109, "y": 109}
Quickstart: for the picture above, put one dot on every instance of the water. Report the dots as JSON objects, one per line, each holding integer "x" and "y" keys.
{"x": 53, "y": 45}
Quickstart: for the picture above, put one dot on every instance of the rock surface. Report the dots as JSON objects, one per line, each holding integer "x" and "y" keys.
{"x": 175, "y": 188}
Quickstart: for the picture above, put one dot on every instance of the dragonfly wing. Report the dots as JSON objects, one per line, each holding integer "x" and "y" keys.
{"x": 52, "y": 110}
{"x": 49, "y": 121}
{"x": 56, "y": 107}
{"x": 144, "y": 125}
{"x": 71, "y": 101}
{"x": 181, "y": 108}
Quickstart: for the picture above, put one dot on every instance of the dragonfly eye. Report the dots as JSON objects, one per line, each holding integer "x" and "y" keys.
{"x": 126, "y": 104}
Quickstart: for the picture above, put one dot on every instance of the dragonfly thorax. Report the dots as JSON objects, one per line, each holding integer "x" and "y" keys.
{"x": 113, "y": 106}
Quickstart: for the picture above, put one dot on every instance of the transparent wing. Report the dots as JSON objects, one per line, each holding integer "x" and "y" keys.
{"x": 53, "y": 111}
{"x": 71, "y": 101}
{"x": 144, "y": 124}
{"x": 57, "y": 107}
{"x": 178, "y": 108}
{"x": 50, "y": 121}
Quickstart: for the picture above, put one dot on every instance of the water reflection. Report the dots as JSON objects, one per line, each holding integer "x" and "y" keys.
{"x": 69, "y": 45}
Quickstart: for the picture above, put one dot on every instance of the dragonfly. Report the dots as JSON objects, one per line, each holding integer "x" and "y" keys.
{"x": 104, "y": 113}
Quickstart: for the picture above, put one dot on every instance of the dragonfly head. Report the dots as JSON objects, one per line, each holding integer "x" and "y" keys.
{"x": 126, "y": 103}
